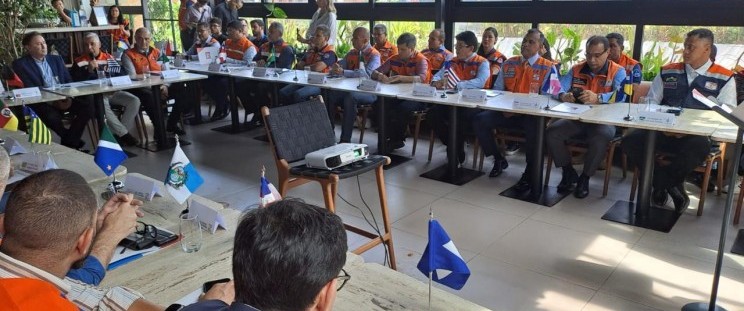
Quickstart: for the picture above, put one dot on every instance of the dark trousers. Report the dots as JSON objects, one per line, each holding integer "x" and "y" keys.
{"x": 689, "y": 152}
{"x": 216, "y": 87}
{"x": 486, "y": 121}
{"x": 596, "y": 137}
{"x": 254, "y": 95}
{"x": 398, "y": 114}
{"x": 439, "y": 120}
{"x": 176, "y": 91}
{"x": 82, "y": 108}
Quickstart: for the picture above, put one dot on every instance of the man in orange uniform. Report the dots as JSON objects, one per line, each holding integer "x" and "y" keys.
{"x": 319, "y": 58}
{"x": 598, "y": 78}
{"x": 474, "y": 73}
{"x": 436, "y": 53}
{"x": 632, "y": 66}
{"x": 382, "y": 45}
{"x": 407, "y": 66}
{"x": 239, "y": 49}
{"x": 140, "y": 57}
{"x": 517, "y": 74}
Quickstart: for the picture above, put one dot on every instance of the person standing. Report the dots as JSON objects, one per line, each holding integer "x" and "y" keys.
{"x": 325, "y": 15}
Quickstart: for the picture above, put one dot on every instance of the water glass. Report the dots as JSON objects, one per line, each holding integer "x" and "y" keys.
{"x": 146, "y": 71}
{"x": 55, "y": 83}
{"x": 101, "y": 77}
{"x": 307, "y": 71}
{"x": 534, "y": 89}
{"x": 191, "y": 233}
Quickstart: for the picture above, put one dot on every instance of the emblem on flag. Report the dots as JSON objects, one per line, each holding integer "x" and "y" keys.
{"x": 109, "y": 154}
{"x": 182, "y": 178}
{"x": 8, "y": 120}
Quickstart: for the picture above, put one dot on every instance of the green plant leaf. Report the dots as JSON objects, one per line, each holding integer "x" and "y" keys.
{"x": 269, "y": 6}
{"x": 279, "y": 13}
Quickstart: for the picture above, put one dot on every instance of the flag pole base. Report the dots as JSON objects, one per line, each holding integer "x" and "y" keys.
{"x": 701, "y": 306}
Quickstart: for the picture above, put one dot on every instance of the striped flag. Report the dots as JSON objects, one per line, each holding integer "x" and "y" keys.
{"x": 268, "y": 192}
{"x": 113, "y": 66}
{"x": 628, "y": 88}
{"x": 552, "y": 86}
{"x": 8, "y": 120}
{"x": 109, "y": 154}
{"x": 37, "y": 132}
{"x": 451, "y": 76}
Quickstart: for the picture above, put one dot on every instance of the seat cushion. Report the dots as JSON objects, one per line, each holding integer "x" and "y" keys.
{"x": 353, "y": 169}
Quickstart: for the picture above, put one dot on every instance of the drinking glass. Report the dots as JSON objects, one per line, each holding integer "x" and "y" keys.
{"x": 146, "y": 71}
{"x": 191, "y": 233}
{"x": 307, "y": 72}
{"x": 101, "y": 77}
{"x": 55, "y": 83}
{"x": 534, "y": 89}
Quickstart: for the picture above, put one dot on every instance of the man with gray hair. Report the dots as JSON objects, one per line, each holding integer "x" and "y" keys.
{"x": 89, "y": 66}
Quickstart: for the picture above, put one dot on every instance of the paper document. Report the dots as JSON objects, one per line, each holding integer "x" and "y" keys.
{"x": 570, "y": 108}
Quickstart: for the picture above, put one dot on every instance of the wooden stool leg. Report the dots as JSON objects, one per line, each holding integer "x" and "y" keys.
{"x": 362, "y": 124}
{"x": 548, "y": 169}
{"x": 328, "y": 195}
{"x": 608, "y": 169}
{"x": 416, "y": 130}
{"x": 431, "y": 145}
{"x": 739, "y": 200}
{"x": 388, "y": 237}
{"x": 704, "y": 187}
{"x": 625, "y": 166}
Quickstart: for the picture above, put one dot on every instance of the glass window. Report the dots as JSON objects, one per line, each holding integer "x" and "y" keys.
{"x": 351, "y": 1}
{"x": 344, "y": 34}
{"x": 289, "y": 1}
{"x": 130, "y": 2}
{"x": 403, "y": 1}
{"x": 252, "y": 1}
{"x": 163, "y": 9}
{"x": 291, "y": 27}
{"x": 135, "y": 21}
{"x": 568, "y": 41}
{"x": 420, "y": 29}
{"x": 664, "y": 44}
{"x": 510, "y": 35}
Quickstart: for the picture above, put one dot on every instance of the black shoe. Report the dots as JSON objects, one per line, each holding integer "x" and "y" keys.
{"x": 512, "y": 148}
{"x": 253, "y": 124}
{"x": 498, "y": 167}
{"x": 659, "y": 197}
{"x": 175, "y": 129}
{"x": 582, "y": 187}
{"x": 127, "y": 140}
{"x": 219, "y": 115}
{"x": 568, "y": 182}
{"x": 523, "y": 184}
{"x": 397, "y": 144}
{"x": 679, "y": 197}
{"x": 460, "y": 155}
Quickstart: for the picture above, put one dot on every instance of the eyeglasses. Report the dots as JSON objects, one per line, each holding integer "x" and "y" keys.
{"x": 595, "y": 55}
{"x": 146, "y": 236}
{"x": 342, "y": 279}
{"x": 460, "y": 46}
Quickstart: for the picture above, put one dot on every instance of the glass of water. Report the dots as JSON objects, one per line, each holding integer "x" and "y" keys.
{"x": 146, "y": 71}
{"x": 307, "y": 72}
{"x": 191, "y": 233}
{"x": 101, "y": 77}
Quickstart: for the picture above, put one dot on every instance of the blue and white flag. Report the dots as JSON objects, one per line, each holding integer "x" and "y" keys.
{"x": 109, "y": 154}
{"x": 552, "y": 85}
{"x": 182, "y": 178}
{"x": 268, "y": 192}
{"x": 441, "y": 254}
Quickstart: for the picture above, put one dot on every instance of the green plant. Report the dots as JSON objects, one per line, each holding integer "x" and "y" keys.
{"x": 275, "y": 11}
{"x": 14, "y": 18}
{"x": 342, "y": 47}
{"x": 654, "y": 59}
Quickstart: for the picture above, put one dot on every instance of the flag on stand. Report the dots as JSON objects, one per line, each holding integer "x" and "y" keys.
{"x": 451, "y": 76}
{"x": 441, "y": 254}
{"x": 272, "y": 57}
{"x": 553, "y": 85}
{"x": 37, "y": 131}
{"x": 8, "y": 120}
{"x": 182, "y": 178}
{"x": 268, "y": 192}
{"x": 112, "y": 66}
{"x": 109, "y": 154}
{"x": 168, "y": 48}
{"x": 628, "y": 88}
{"x": 122, "y": 45}
{"x": 10, "y": 77}
{"x": 624, "y": 93}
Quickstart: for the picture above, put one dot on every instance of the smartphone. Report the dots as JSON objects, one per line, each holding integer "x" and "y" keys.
{"x": 164, "y": 237}
{"x": 208, "y": 285}
{"x": 577, "y": 91}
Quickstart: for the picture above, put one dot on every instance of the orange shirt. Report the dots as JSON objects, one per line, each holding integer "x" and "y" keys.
{"x": 140, "y": 60}
{"x": 601, "y": 82}
{"x": 437, "y": 57}
{"x": 120, "y": 35}
{"x": 386, "y": 50}
{"x": 236, "y": 49}
{"x": 408, "y": 67}
{"x": 26, "y": 294}
{"x": 468, "y": 69}
{"x": 518, "y": 74}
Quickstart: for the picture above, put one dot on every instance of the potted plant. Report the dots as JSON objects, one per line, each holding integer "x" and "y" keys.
{"x": 15, "y": 16}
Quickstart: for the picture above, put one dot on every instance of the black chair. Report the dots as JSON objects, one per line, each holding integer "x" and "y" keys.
{"x": 296, "y": 130}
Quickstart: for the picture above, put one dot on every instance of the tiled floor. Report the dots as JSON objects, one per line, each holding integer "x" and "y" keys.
{"x": 522, "y": 256}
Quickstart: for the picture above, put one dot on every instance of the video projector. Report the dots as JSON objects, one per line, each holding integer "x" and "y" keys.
{"x": 336, "y": 156}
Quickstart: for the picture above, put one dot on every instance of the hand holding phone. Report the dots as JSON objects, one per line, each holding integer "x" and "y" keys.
{"x": 208, "y": 285}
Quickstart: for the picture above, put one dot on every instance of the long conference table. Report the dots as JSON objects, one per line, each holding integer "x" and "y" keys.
{"x": 170, "y": 274}
{"x": 97, "y": 89}
{"x": 638, "y": 213}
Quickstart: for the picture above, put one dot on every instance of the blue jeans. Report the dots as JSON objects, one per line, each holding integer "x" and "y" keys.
{"x": 349, "y": 101}
{"x": 292, "y": 94}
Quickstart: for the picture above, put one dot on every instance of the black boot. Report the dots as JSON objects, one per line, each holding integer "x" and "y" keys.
{"x": 679, "y": 197}
{"x": 499, "y": 165}
{"x": 582, "y": 187}
{"x": 568, "y": 182}
{"x": 659, "y": 197}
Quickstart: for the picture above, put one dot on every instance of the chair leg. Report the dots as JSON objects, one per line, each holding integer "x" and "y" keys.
{"x": 362, "y": 125}
{"x": 481, "y": 160}
{"x": 739, "y": 201}
{"x": 327, "y": 187}
{"x": 625, "y": 165}
{"x": 388, "y": 237}
{"x": 416, "y": 130}
{"x": 476, "y": 149}
{"x": 431, "y": 145}
{"x": 704, "y": 187}
{"x": 548, "y": 169}
{"x": 608, "y": 169}
{"x": 634, "y": 185}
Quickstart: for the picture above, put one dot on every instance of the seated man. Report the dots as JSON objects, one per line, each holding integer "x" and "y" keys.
{"x": 274, "y": 54}
{"x": 215, "y": 86}
{"x": 86, "y": 67}
{"x": 39, "y": 69}
{"x": 436, "y": 53}
{"x": 143, "y": 56}
{"x": 257, "y": 29}
{"x": 673, "y": 87}
{"x": 288, "y": 256}
{"x": 408, "y": 66}
{"x": 474, "y": 73}
{"x": 319, "y": 58}
{"x": 382, "y": 44}
{"x": 239, "y": 49}
{"x": 517, "y": 74}
{"x": 349, "y": 68}
{"x": 599, "y": 78}
{"x": 632, "y": 66}
{"x": 215, "y": 27}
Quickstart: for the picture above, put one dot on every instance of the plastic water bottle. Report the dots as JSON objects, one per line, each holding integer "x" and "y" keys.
{"x": 362, "y": 72}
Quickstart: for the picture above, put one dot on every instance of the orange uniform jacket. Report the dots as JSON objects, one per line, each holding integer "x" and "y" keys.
{"x": 518, "y": 74}
{"x": 408, "y": 68}
{"x": 599, "y": 83}
{"x": 139, "y": 60}
{"x": 236, "y": 49}
{"x": 352, "y": 58}
{"x": 26, "y": 294}
{"x": 312, "y": 56}
{"x": 386, "y": 50}
{"x": 436, "y": 58}
{"x": 468, "y": 69}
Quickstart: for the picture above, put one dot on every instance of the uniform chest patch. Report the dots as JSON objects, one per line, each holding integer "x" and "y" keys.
{"x": 579, "y": 81}
{"x": 510, "y": 72}
{"x": 710, "y": 85}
